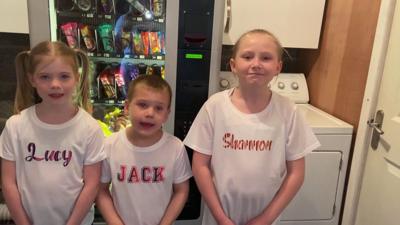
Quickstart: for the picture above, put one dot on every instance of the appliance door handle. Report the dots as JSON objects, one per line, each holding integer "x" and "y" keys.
{"x": 228, "y": 15}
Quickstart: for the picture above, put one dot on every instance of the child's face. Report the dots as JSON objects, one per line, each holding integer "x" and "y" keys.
{"x": 256, "y": 61}
{"x": 148, "y": 110}
{"x": 54, "y": 80}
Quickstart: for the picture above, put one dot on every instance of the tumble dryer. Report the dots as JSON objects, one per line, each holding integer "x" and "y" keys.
{"x": 320, "y": 198}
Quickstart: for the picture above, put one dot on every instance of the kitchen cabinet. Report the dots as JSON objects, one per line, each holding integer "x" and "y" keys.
{"x": 296, "y": 23}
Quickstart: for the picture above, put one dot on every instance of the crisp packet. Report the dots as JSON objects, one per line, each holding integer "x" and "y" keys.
{"x": 146, "y": 44}
{"x": 154, "y": 43}
{"x": 137, "y": 43}
{"x": 70, "y": 31}
{"x": 88, "y": 37}
{"x": 106, "y": 35}
{"x": 106, "y": 79}
{"x": 120, "y": 82}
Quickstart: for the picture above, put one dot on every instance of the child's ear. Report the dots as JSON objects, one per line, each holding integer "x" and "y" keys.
{"x": 126, "y": 107}
{"x": 279, "y": 67}
{"x": 30, "y": 79}
{"x": 232, "y": 63}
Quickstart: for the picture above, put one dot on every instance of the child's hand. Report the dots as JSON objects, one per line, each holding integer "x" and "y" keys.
{"x": 257, "y": 221}
{"x": 227, "y": 221}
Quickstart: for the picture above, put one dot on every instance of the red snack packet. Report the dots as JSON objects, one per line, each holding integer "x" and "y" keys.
{"x": 146, "y": 44}
{"x": 70, "y": 31}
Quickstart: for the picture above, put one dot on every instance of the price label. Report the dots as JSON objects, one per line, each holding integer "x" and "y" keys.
{"x": 159, "y": 57}
{"x": 89, "y": 15}
{"x": 106, "y": 55}
{"x": 161, "y": 20}
{"x": 141, "y": 57}
{"x": 139, "y": 19}
{"x": 107, "y": 16}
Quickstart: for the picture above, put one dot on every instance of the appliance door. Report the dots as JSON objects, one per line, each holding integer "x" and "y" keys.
{"x": 316, "y": 198}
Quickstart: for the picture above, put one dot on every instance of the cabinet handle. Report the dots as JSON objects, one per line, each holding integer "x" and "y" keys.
{"x": 228, "y": 15}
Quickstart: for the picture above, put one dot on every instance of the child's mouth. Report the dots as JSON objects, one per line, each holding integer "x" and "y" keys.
{"x": 56, "y": 95}
{"x": 146, "y": 125}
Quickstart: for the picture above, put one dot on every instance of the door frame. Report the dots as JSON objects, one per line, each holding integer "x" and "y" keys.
{"x": 362, "y": 142}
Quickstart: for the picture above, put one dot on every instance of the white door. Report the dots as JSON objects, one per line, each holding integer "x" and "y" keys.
{"x": 379, "y": 202}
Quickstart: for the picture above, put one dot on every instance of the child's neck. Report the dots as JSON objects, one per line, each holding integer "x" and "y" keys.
{"x": 55, "y": 115}
{"x": 141, "y": 140}
{"x": 251, "y": 100}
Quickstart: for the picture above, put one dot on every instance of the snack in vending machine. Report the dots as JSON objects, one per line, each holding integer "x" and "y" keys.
{"x": 157, "y": 7}
{"x": 137, "y": 43}
{"x": 146, "y": 44}
{"x": 106, "y": 6}
{"x": 88, "y": 37}
{"x": 107, "y": 81}
{"x": 154, "y": 43}
{"x": 129, "y": 72}
{"x": 156, "y": 70}
{"x": 92, "y": 77}
{"x": 142, "y": 68}
{"x": 84, "y": 5}
{"x": 119, "y": 80}
{"x": 161, "y": 38}
{"x": 106, "y": 34}
{"x": 70, "y": 30}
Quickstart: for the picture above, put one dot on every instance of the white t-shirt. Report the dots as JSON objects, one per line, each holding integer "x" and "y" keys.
{"x": 142, "y": 178}
{"x": 49, "y": 162}
{"x": 248, "y": 151}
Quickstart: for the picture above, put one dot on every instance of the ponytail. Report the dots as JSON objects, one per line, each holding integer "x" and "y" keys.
{"x": 25, "y": 95}
{"x": 83, "y": 99}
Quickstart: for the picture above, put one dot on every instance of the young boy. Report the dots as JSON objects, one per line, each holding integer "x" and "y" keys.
{"x": 148, "y": 168}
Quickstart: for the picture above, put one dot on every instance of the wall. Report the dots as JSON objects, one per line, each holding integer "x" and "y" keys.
{"x": 14, "y": 16}
{"x": 338, "y": 70}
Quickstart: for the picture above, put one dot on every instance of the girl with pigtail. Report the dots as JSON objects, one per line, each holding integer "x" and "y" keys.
{"x": 51, "y": 149}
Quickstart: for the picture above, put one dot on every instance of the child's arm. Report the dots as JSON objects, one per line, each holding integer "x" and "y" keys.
{"x": 105, "y": 204}
{"x": 11, "y": 193}
{"x": 91, "y": 179}
{"x": 175, "y": 206}
{"x": 290, "y": 185}
{"x": 202, "y": 175}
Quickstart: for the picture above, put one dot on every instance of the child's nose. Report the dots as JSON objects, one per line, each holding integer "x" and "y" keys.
{"x": 256, "y": 62}
{"x": 150, "y": 111}
{"x": 55, "y": 83}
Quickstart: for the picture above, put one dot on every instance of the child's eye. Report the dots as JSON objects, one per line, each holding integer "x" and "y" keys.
{"x": 159, "y": 108}
{"x": 141, "y": 104}
{"x": 246, "y": 57}
{"x": 44, "y": 77}
{"x": 65, "y": 76}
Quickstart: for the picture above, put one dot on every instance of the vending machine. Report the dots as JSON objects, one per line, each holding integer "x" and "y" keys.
{"x": 179, "y": 40}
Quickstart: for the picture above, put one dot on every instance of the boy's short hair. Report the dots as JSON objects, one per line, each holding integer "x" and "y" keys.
{"x": 152, "y": 81}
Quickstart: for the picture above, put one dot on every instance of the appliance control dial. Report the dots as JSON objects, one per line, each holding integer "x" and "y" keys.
{"x": 281, "y": 85}
{"x": 295, "y": 85}
{"x": 224, "y": 83}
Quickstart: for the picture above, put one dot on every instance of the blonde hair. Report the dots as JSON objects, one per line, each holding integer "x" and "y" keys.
{"x": 26, "y": 63}
{"x": 280, "y": 49}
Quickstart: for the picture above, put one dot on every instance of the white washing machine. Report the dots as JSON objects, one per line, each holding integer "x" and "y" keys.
{"x": 320, "y": 198}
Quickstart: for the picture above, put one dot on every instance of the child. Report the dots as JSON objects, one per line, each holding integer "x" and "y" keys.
{"x": 148, "y": 168}
{"x": 249, "y": 142}
{"x": 51, "y": 149}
